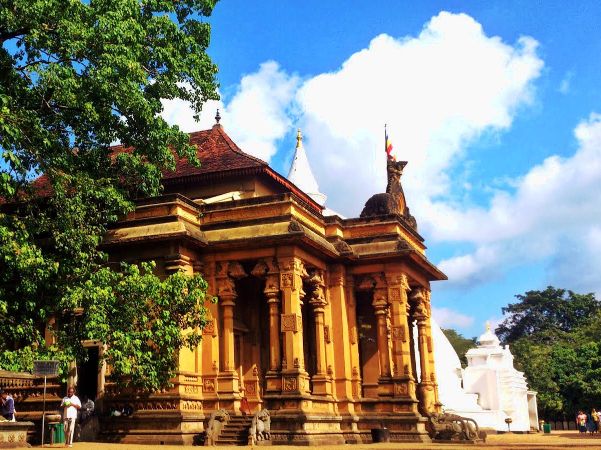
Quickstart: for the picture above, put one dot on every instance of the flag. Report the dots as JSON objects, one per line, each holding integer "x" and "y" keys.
{"x": 388, "y": 145}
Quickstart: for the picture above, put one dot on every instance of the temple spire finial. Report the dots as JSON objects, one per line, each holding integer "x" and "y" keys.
{"x": 487, "y": 325}
{"x": 217, "y": 117}
{"x": 299, "y": 138}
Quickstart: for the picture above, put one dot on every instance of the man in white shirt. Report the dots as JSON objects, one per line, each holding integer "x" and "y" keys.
{"x": 70, "y": 404}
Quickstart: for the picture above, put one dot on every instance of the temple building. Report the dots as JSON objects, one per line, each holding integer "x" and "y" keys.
{"x": 315, "y": 313}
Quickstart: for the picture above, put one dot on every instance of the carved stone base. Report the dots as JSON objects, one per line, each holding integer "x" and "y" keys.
{"x": 14, "y": 434}
{"x": 157, "y": 428}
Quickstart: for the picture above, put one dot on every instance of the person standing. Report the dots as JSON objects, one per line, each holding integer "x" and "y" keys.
{"x": 8, "y": 406}
{"x": 71, "y": 405}
{"x": 595, "y": 416}
{"x": 581, "y": 421}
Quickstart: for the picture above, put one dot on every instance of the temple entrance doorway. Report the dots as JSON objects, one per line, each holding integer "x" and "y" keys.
{"x": 310, "y": 353}
{"x": 88, "y": 372}
{"x": 251, "y": 337}
{"x": 368, "y": 344}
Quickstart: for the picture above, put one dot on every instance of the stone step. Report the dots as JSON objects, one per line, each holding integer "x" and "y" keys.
{"x": 233, "y": 432}
{"x": 235, "y": 427}
{"x": 230, "y": 442}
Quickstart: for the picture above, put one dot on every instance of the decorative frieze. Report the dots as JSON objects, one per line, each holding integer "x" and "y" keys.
{"x": 398, "y": 332}
{"x": 208, "y": 385}
{"x": 291, "y": 322}
{"x": 290, "y": 384}
{"x": 209, "y": 328}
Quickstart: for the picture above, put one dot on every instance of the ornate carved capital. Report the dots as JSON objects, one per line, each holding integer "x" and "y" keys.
{"x": 398, "y": 280}
{"x": 421, "y": 304}
{"x": 380, "y": 300}
{"x": 290, "y": 270}
{"x": 272, "y": 287}
{"x": 260, "y": 269}
{"x": 235, "y": 270}
{"x": 317, "y": 297}
{"x": 226, "y": 288}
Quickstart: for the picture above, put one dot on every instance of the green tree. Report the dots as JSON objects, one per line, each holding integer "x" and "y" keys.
{"x": 564, "y": 374}
{"x": 460, "y": 343}
{"x": 554, "y": 339}
{"x": 75, "y": 77}
{"x": 546, "y": 315}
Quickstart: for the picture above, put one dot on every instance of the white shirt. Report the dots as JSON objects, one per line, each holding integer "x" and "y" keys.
{"x": 70, "y": 412}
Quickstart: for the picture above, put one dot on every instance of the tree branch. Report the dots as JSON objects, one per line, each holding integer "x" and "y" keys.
{"x": 6, "y": 35}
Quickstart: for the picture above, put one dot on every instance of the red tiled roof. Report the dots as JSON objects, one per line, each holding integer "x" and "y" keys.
{"x": 218, "y": 154}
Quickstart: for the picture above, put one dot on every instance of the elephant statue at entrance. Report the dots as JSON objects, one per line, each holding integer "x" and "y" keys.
{"x": 216, "y": 422}
{"x": 260, "y": 428}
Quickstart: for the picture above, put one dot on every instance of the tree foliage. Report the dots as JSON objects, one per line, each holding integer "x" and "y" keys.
{"x": 75, "y": 77}
{"x": 460, "y": 343}
{"x": 554, "y": 337}
{"x": 546, "y": 314}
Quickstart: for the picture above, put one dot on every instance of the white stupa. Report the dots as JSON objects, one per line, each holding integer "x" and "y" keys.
{"x": 302, "y": 175}
{"x": 501, "y": 388}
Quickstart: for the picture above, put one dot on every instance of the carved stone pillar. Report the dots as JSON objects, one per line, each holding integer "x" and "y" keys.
{"x": 273, "y": 301}
{"x": 404, "y": 381}
{"x": 321, "y": 382}
{"x": 268, "y": 269}
{"x": 226, "y": 292}
{"x": 294, "y": 376}
{"x": 354, "y": 338}
{"x": 427, "y": 385}
{"x": 380, "y": 304}
{"x": 430, "y": 347}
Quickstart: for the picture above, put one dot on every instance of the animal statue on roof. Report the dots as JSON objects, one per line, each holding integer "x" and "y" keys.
{"x": 260, "y": 428}
{"x": 216, "y": 421}
{"x": 451, "y": 427}
{"x": 393, "y": 200}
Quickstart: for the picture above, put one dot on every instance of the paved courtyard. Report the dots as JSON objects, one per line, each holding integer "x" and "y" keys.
{"x": 556, "y": 440}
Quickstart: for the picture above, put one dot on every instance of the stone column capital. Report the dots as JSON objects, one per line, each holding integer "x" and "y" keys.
{"x": 317, "y": 296}
{"x": 337, "y": 275}
{"x": 380, "y": 300}
{"x": 420, "y": 299}
{"x": 397, "y": 279}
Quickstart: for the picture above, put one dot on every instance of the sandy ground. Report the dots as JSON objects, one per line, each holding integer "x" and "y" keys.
{"x": 555, "y": 440}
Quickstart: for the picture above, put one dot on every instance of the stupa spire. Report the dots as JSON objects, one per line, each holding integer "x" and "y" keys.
{"x": 302, "y": 175}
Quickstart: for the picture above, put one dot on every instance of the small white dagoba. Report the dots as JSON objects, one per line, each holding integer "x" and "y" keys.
{"x": 489, "y": 390}
{"x": 501, "y": 388}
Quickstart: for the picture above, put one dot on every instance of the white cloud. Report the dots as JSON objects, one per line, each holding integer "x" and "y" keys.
{"x": 565, "y": 84}
{"x": 178, "y": 112}
{"x": 438, "y": 92}
{"x": 257, "y": 115}
{"x": 554, "y": 213}
{"x": 447, "y": 318}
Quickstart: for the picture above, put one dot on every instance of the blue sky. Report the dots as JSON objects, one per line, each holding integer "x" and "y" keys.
{"x": 492, "y": 103}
